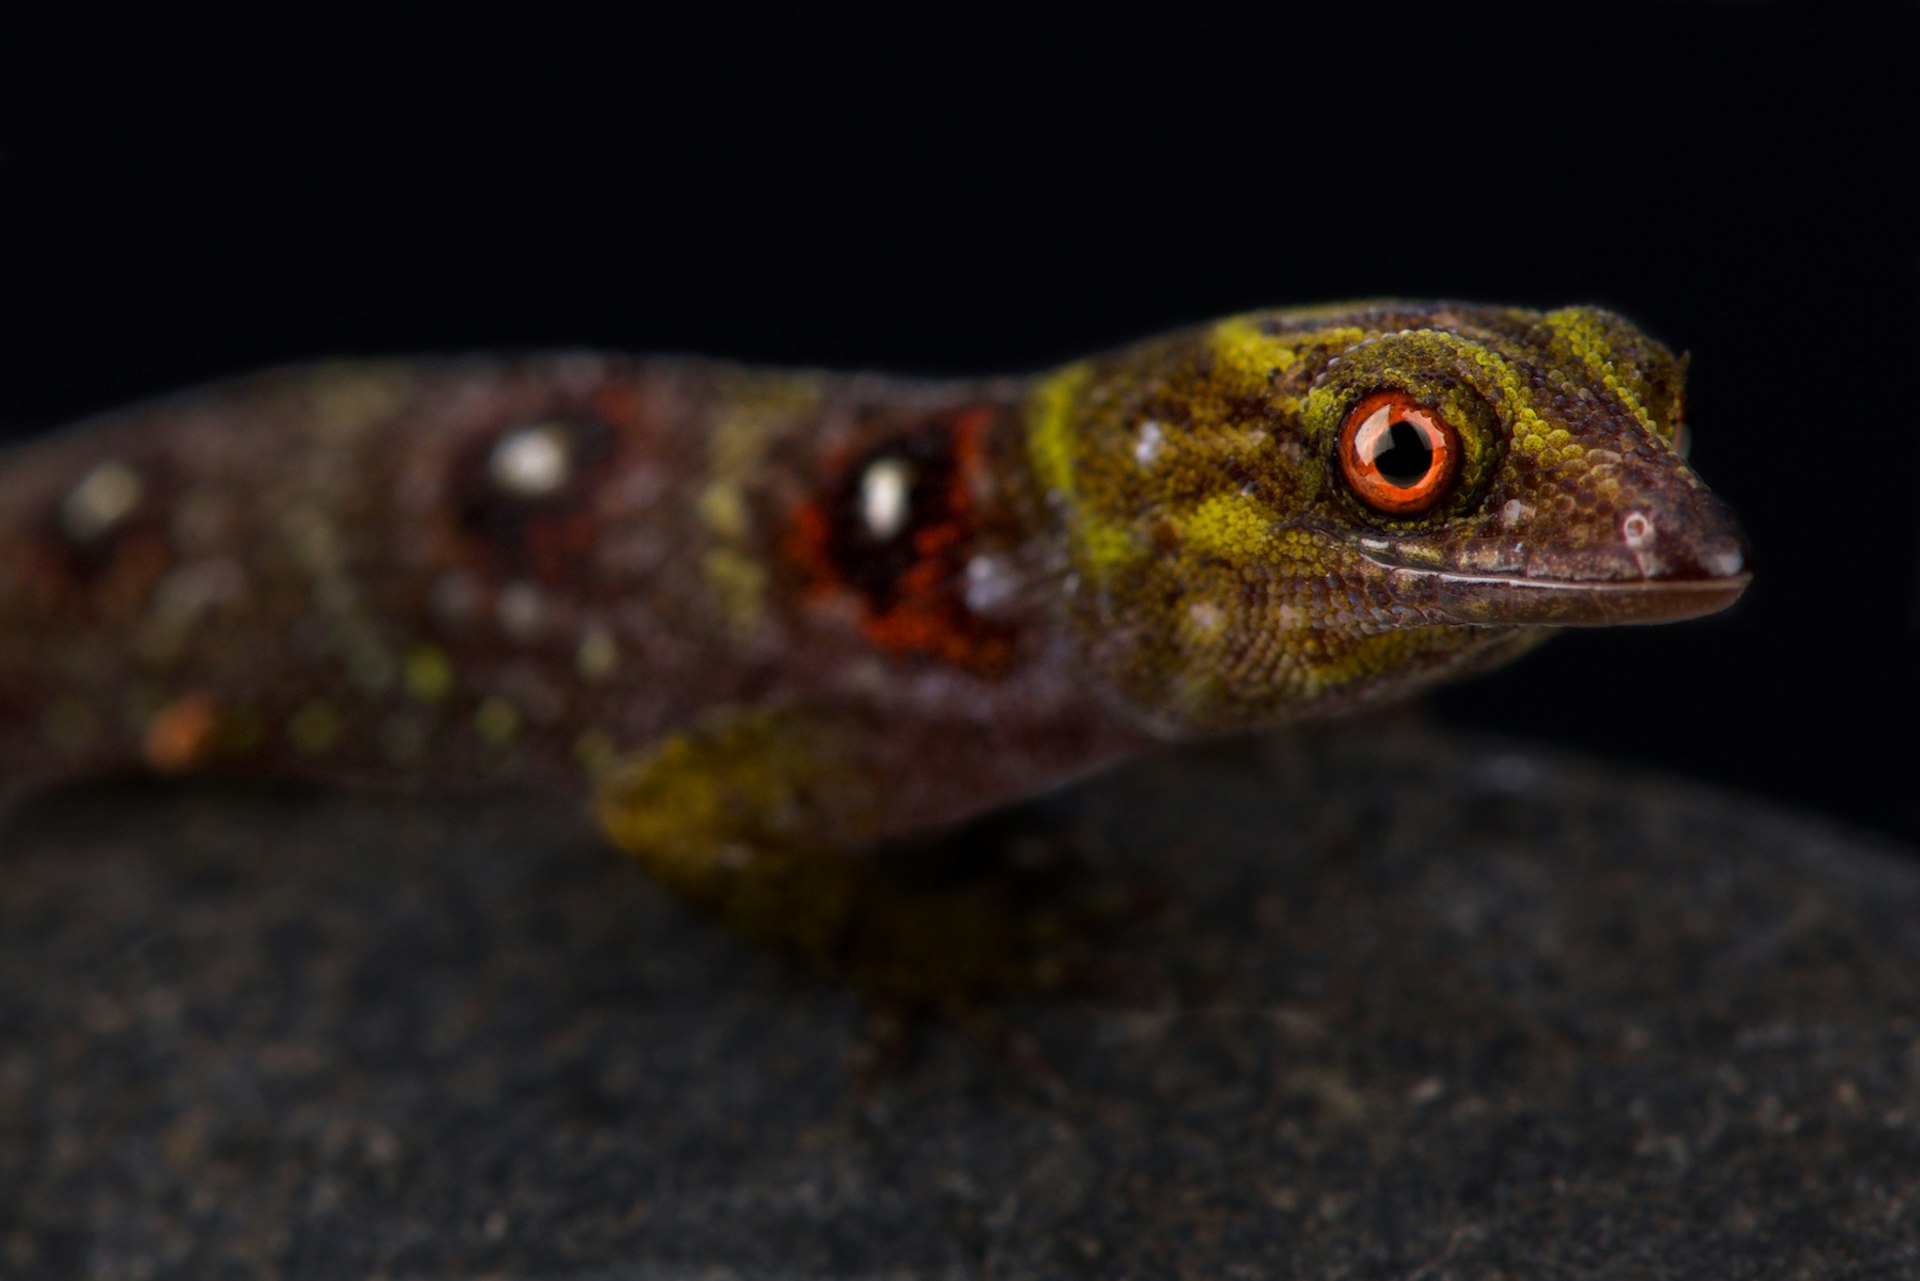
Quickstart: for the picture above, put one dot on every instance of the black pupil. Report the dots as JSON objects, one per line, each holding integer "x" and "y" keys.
{"x": 1406, "y": 460}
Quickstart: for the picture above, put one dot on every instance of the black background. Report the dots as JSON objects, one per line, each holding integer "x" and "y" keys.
{"x": 186, "y": 198}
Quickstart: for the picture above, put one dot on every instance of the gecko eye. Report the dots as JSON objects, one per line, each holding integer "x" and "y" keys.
{"x": 1398, "y": 456}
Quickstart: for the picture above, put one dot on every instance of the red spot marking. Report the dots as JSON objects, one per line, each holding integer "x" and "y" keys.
{"x": 805, "y": 545}
{"x": 618, "y": 405}
{"x": 924, "y": 611}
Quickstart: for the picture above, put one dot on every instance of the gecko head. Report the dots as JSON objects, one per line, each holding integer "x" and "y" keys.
{"x": 1348, "y": 505}
{"x": 1526, "y": 470}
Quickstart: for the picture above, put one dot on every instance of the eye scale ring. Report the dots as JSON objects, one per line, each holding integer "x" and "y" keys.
{"x": 1398, "y": 456}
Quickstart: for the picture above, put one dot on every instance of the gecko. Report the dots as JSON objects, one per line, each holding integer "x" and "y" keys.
{"x": 767, "y": 622}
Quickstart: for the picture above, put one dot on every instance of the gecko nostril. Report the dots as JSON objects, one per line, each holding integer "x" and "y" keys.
{"x": 1636, "y": 530}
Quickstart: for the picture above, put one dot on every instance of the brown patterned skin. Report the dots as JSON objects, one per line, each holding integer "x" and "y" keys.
{"x": 769, "y": 620}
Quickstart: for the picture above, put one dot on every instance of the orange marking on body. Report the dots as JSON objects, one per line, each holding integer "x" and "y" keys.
{"x": 182, "y": 735}
{"x": 944, "y": 632}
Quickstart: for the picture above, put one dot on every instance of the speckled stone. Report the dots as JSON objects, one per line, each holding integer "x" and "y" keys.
{"x": 1417, "y": 1006}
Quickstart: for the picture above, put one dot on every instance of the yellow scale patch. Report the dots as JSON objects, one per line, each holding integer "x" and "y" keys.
{"x": 750, "y": 420}
{"x": 1583, "y": 338}
{"x": 1254, "y": 355}
{"x": 314, "y": 729}
{"x": 429, "y": 673}
{"x": 1259, "y": 359}
{"x": 740, "y": 583}
{"x": 1234, "y": 527}
{"x": 1100, "y": 545}
{"x": 497, "y": 721}
{"x": 1050, "y": 439}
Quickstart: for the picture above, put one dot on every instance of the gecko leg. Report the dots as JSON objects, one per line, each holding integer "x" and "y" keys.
{"x": 769, "y": 820}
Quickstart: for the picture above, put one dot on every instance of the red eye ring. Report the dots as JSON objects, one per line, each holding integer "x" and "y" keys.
{"x": 1398, "y": 456}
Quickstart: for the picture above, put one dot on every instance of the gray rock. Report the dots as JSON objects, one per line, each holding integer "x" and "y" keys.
{"x": 1420, "y": 1006}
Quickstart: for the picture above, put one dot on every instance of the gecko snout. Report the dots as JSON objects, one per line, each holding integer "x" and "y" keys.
{"x": 1700, "y": 541}
{"x": 1662, "y": 558}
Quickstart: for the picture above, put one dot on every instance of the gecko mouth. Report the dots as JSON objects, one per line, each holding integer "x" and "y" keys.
{"x": 1501, "y": 600}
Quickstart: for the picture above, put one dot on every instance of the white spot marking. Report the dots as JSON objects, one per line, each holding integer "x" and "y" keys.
{"x": 105, "y": 496}
{"x": 884, "y": 494}
{"x": 531, "y": 462}
{"x": 1637, "y": 529}
{"x": 1146, "y": 448}
{"x": 991, "y": 584}
{"x": 1513, "y": 513}
{"x": 1207, "y": 617}
{"x": 522, "y": 612}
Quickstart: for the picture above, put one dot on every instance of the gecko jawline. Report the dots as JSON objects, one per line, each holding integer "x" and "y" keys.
{"x": 1502, "y": 600}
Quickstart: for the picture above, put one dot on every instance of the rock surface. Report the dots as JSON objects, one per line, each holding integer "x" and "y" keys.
{"x": 1423, "y": 1006}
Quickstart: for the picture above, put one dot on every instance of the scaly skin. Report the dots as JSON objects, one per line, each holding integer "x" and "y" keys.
{"x": 770, "y": 620}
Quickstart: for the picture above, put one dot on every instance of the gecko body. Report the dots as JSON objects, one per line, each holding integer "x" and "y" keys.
{"x": 767, "y": 620}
